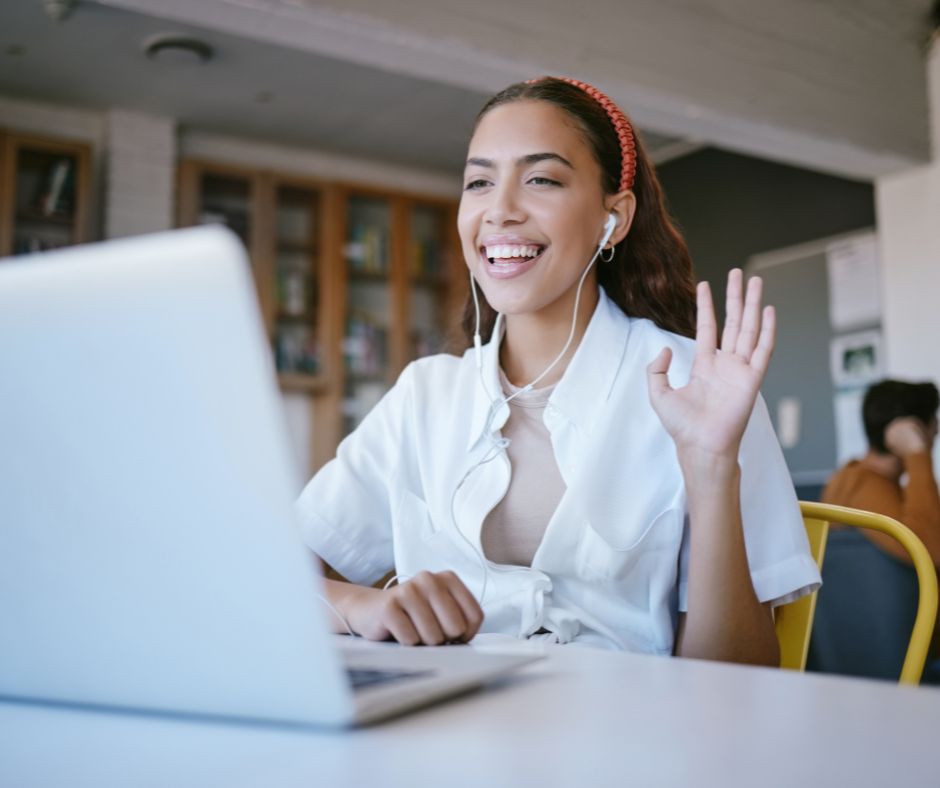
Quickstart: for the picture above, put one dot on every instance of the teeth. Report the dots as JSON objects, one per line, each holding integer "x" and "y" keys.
{"x": 504, "y": 251}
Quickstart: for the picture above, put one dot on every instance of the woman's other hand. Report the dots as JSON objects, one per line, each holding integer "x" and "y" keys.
{"x": 707, "y": 417}
{"x": 430, "y": 609}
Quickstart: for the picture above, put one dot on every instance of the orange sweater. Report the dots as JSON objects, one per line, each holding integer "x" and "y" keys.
{"x": 917, "y": 505}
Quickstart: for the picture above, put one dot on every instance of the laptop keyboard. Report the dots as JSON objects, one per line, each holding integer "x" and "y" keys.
{"x": 360, "y": 678}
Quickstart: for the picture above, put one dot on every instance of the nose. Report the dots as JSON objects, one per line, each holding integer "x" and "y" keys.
{"x": 504, "y": 207}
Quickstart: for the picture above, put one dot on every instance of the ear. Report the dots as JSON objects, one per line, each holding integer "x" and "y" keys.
{"x": 623, "y": 206}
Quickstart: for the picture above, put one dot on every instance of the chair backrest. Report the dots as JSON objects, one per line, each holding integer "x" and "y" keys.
{"x": 794, "y": 622}
{"x": 793, "y": 629}
{"x": 866, "y": 609}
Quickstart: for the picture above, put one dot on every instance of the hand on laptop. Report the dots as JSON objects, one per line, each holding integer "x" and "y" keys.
{"x": 430, "y": 609}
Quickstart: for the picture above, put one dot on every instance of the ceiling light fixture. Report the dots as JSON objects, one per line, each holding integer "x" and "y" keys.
{"x": 58, "y": 10}
{"x": 174, "y": 48}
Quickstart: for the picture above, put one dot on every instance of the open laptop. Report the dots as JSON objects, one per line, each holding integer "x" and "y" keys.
{"x": 149, "y": 557}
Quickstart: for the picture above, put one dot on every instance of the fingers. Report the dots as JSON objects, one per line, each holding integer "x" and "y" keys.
{"x": 733, "y": 310}
{"x": 657, "y": 377}
{"x": 751, "y": 322}
{"x": 706, "y": 329}
{"x": 448, "y": 616}
{"x": 414, "y": 600}
{"x": 472, "y": 612}
{"x": 431, "y": 609}
{"x": 906, "y": 435}
{"x": 749, "y": 332}
{"x": 760, "y": 358}
{"x": 397, "y": 622}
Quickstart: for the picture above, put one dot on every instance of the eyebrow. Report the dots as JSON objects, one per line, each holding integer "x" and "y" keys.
{"x": 531, "y": 158}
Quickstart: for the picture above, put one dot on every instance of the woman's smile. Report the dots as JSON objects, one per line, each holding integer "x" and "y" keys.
{"x": 508, "y": 256}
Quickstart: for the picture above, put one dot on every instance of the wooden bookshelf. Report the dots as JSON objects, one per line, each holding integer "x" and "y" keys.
{"x": 45, "y": 190}
{"x": 374, "y": 276}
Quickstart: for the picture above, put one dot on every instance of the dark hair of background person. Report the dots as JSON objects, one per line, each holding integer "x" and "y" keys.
{"x": 651, "y": 272}
{"x": 891, "y": 399}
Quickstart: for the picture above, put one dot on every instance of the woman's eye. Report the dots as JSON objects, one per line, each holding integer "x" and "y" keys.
{"x": 479, "y": 183}
{"x": 541, "y": 180}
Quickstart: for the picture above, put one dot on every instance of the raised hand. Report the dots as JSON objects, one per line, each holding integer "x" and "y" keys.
{"x": 906, "y": 435}
{"x": 709, "y": 414}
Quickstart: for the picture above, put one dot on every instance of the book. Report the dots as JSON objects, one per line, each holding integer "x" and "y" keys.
{"x": 53, "y": 201}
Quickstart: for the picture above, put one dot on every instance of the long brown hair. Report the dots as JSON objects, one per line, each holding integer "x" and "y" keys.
{"x": 651, "y": 272}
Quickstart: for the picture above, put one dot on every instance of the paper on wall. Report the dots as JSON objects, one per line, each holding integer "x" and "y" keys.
{"x": 788, "y": 422}
{"x": 852, "y": 267}
{"x": 851, "y": 442}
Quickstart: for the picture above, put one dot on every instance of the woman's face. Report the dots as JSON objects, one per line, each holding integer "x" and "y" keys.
{"x": 532, "y": 211}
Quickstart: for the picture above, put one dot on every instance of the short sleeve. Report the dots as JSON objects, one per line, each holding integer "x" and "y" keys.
{"x": 345, "y": 509}
{"x": 778, "y": 554}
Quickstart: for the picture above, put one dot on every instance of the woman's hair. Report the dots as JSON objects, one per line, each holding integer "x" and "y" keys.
{"x": 651, "y": 273}
{"x": 892, "y": 399}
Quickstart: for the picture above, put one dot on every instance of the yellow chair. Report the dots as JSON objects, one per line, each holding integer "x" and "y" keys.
{"x": 794, "y": 622}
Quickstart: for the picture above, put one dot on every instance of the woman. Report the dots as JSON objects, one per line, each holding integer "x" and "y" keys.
{"x": 583, "y": 475}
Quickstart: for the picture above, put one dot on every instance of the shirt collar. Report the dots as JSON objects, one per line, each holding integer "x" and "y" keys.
{"x": 587, "y": 381}
{"x": 487, "y": 392}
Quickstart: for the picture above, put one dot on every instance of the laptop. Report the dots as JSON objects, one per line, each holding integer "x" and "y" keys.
{"x": 149, "y": 553}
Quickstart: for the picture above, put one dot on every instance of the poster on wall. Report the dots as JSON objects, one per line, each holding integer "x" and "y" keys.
{"x": 852, "y": 268}
{"x": 856, "y": 359}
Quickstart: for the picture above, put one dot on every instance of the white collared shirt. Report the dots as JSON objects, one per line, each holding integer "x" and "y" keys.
{"x": 612, "y": 566}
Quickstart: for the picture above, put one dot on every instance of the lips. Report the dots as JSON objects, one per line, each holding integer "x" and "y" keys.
{"x": 510, "y": 260}
{"x": 511, "y": 251}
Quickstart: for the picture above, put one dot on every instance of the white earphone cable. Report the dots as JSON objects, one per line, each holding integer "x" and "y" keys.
{"x": 501, "y": 444}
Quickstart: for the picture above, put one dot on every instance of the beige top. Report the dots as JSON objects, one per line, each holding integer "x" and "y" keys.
{"x": 513, "y": 530}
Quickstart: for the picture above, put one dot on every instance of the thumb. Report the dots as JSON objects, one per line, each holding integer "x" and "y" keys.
{"x": 656, "y": 377}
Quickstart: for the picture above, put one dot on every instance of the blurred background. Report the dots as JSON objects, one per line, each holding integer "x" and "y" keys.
{"x": 792, "y": 138}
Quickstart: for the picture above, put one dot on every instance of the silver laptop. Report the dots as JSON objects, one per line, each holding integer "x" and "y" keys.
{"x": 149, "y": 556}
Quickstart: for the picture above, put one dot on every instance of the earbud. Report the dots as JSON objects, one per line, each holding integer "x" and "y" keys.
{"x": 609, "y": 226}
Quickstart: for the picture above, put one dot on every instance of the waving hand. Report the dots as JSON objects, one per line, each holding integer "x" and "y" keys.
{"x": 709, "y": 414}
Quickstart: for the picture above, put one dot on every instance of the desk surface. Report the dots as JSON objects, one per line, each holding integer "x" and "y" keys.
{"x": 580, "y": 717}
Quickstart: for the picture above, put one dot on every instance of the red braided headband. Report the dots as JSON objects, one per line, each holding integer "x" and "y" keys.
{"x": 620, "y": 123}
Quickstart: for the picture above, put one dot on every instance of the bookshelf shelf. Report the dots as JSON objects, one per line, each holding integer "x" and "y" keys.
{"x": 434, "y": 281}
{"x": 64, "y": 220}
{"x": 303, "y": 317}
{"x": 303, "y": 383}
{"x": 44, "y": 193}
{"x": 293, "y": 246}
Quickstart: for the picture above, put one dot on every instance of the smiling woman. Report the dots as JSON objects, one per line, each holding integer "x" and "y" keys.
{"x": 590, "y": 473}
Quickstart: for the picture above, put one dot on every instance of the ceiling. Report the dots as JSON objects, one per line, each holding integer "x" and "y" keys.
{"x": 834, "y": 85}
{"x": 249, "y": 88}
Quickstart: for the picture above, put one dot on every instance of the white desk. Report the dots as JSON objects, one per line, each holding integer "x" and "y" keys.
{"x": 579, "y": 718}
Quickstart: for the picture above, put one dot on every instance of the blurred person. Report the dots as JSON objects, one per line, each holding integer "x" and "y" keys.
{"x": 865, "y": 615}
{"x": 901, "y": 426}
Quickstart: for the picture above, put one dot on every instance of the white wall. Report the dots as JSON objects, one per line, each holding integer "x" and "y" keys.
{"x": 320, "y": 164}
{"x": 908, "y": 211}
{"x": 140, "y": 173}
{"x": 67, "y": 123}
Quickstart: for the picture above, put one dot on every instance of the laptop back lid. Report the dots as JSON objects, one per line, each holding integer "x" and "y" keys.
{"x": 148, "y": 552}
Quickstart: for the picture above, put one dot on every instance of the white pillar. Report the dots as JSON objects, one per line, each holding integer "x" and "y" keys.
{"x": 933, "y": 94}
{"x": 908, "y": 216}
{"x": 140, "y": 173}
